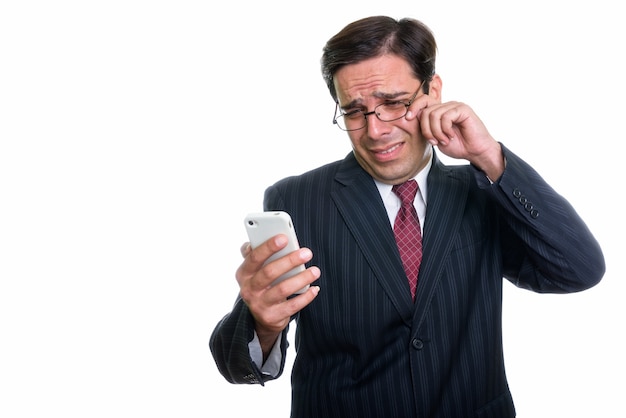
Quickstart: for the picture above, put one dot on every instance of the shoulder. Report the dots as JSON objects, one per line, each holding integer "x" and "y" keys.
{"x": 320, "y": 175}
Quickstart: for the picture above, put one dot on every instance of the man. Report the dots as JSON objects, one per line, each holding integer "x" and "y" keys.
{"x": 367, "y": 346}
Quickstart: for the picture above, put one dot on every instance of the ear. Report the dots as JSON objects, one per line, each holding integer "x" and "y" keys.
{"x": 434, "y": 88}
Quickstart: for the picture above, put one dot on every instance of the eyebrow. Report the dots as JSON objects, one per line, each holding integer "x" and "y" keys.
{"x": 377, "y": 94}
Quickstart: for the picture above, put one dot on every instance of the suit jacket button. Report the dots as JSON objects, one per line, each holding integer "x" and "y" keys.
{"x": 534, "y": 213}
{"x": 516, "y": 193}
{"x": 528, "y": 206}
{"x": 417, "y": 344}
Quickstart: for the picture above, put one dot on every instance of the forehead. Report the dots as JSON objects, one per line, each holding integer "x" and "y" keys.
{"x": 386, "y": 74}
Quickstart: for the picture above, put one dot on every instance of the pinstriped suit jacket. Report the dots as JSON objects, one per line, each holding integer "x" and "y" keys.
{"x": 364, "y": 349}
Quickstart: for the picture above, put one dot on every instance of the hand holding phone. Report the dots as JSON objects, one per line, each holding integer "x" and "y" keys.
{"x": 262, "y": 226}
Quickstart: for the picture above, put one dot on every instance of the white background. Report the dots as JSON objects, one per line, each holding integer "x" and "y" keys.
{"x": 125, "y": 126}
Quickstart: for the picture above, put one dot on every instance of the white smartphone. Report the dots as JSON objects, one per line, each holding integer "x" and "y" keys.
{"x": 262, "y": 226}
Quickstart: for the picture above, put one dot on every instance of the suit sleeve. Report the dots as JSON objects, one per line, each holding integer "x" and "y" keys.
{"x": 229, "y": 347}
{"x": 546, "y": 246}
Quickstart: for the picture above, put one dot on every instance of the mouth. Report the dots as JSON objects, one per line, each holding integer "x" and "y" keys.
{"x": 387, "y": 153}
{"x": 389, "y": 150}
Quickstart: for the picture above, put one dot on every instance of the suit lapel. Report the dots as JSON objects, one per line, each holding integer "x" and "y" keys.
{"x": 447, "y": 196}
{"x": 362, "y": 209}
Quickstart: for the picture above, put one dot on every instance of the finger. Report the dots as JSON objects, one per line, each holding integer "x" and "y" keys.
{"x": 281, "y": 266}
{"x": 294, "y": 285}
{"x": 255, "y": 258}
{"x": 260, "y": 254}
{"x": 450, "y": 121}
{"x": 441, "y": 121}
{"x": 426, "y": 121}
{"x": 277, "y": 316}
{"x": 416, "y": 108}
{"x": 245, "y": 249}
{"x": 299, "y": 302}
{"x": 262, "y": 275}
{"x": 429, "y": 118}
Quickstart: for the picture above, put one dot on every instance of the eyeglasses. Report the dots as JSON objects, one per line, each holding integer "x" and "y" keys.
{"x": 385, "y": 112}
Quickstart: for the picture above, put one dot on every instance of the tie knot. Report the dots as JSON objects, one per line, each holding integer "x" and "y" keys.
{"x": 406, "y": 191}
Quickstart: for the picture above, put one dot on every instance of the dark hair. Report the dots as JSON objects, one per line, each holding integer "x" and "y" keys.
{"x": 378, "y": 35}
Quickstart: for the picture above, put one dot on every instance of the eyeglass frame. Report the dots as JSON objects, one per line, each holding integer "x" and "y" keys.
{"x": 373, "y": 112}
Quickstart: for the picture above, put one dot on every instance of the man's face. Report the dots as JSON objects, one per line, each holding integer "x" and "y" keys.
{"x": 391, "y": 152}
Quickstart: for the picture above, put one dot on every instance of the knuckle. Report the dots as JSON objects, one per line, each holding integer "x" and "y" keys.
{"x": 283, "y": 290}
{"x": 256, "y": 257}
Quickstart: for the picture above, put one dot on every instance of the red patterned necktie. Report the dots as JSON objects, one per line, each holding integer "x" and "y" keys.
{"x": 407, "y": 232}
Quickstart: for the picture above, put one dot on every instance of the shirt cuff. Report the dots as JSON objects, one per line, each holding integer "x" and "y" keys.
{"x": 271, "y": 366}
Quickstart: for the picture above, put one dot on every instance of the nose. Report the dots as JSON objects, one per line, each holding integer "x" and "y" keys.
{"x": 376, "y": 128}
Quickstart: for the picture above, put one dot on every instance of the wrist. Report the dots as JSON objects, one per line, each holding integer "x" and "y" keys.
{"x": 492, "y": 163}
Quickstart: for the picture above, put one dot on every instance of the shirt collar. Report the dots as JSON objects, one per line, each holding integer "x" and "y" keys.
{"x": 421, "y": 178}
